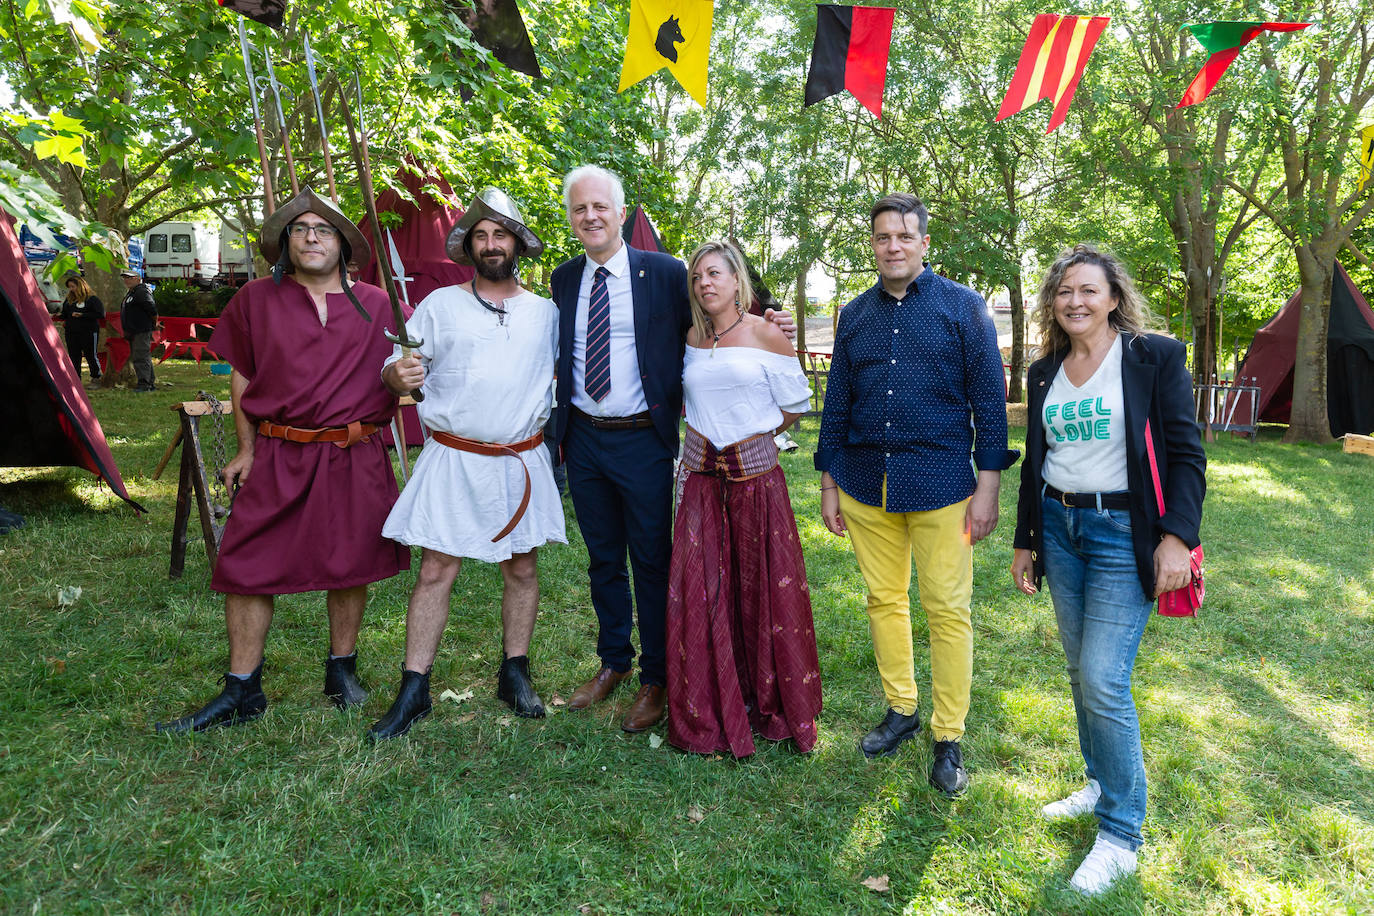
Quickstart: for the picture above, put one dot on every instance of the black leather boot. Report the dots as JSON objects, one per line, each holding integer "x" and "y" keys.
{"x": 412, "y": 704}
{"x": 241, "y": 701}
{"x": 513, "y": 687}
{"x": 341, "y": 681}
{"x": 947, "y": 768}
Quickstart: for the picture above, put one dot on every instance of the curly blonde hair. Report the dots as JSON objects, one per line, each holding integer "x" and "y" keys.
{"x": 1132, "y": 314}
{"x": 734, "y": 260}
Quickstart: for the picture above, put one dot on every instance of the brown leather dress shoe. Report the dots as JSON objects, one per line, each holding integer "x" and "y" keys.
{"x": 647, "y": 709}
{"x": 597, "y": 689}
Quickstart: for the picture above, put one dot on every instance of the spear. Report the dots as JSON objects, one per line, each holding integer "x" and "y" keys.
{"x": 319, "y": 111}
{"x": 398, "y": 268}
{"x": 360, "y": 159}
{"x": 257, "y": 120}
{"x": 281, "y": 122}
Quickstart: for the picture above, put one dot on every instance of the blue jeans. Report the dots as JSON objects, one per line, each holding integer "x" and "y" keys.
{"x": 1102, "y": 613}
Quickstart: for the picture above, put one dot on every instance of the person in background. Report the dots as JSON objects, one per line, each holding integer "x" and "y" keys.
{"x": 1087, "y": 520}
{"x": 138, "y": 316}
{"x": 81, "y": 314}
{"x": 741, "y": 642}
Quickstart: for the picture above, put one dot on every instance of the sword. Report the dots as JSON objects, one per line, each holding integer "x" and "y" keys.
{"x": 398, "y": 269}
{"x": 281, "y": 122}
{"x": 268, "y": 202}
{"x": 319, "y": 111}
{"x": 360, "y": 159}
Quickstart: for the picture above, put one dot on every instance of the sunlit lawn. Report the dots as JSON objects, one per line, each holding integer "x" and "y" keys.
{"x": 1256, "y": 720}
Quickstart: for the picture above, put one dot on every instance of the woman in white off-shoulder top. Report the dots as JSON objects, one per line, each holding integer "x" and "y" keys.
{"x": 741, "y": 643}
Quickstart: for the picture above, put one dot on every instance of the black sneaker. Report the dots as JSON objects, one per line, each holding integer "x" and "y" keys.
{"x": 890, "y": 733}
{"x": 947, "y": 770}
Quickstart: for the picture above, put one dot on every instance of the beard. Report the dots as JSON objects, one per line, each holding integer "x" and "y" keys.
{"x": 495, "y": 271}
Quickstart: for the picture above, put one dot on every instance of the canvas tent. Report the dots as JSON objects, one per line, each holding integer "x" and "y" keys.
{"x": 640, "y": 233}
{"x": 47, "y": 418}
{"x": 420, "y": 238}
{"x": 1349, "y": 360}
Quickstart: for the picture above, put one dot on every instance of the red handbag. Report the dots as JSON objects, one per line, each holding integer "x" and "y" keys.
{"x": 1181, "y": 602}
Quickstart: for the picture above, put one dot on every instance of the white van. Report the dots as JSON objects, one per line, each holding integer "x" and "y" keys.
{"x": 235, "y": 260}
{"x": 181, "y": 251}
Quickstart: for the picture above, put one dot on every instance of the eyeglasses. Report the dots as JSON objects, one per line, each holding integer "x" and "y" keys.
{"x": 322, "y": 232}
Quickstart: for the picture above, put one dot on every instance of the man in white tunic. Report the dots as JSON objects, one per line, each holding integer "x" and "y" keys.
{"x": 483, "y": 486}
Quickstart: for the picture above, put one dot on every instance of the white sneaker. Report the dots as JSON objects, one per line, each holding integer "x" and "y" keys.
{"x": 1105, "y": 863}
{"x": 1080, "y": 802}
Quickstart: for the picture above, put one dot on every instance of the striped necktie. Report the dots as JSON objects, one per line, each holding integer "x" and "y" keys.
{"x": 597, "y": 374}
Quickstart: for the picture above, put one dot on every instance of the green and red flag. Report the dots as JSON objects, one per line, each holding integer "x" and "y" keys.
{"x": 1223, "y": 40}
{"x": 850, "y": 52}
{"x": 1052, "y": 62}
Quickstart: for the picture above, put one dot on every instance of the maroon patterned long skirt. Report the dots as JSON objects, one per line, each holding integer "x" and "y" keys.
{"x": 741, "y": 642}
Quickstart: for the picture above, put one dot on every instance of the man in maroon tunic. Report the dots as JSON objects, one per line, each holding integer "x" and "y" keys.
{"x": 315, "y": 483}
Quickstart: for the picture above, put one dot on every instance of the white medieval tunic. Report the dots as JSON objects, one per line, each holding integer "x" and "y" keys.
{"x": 492, "y": 382}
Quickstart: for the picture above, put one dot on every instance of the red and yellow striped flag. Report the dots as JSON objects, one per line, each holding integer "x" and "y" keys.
{"x": 1052, "y": 61}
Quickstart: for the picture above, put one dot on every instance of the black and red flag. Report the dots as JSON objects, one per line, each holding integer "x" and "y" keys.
{"x": 268, "y": 12}
{"x": 851, "y": 51}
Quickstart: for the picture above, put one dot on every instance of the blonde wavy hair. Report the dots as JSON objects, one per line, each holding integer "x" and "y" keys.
{"x": 1132, "y": 314}
{"x": 733, "y": 260}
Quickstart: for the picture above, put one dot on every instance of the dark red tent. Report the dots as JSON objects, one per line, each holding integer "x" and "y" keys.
{"x": 640, "y": 233}
{"x": 47, "y": 418}
{"x": 421, "y": 235}
{"x": 1349, "y": 360}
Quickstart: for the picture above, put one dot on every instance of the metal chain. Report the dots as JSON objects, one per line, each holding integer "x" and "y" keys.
{"x": 220, "y": 500}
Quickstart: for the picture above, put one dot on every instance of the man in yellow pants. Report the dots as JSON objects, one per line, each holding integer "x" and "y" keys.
{"x": 912, "y": 447}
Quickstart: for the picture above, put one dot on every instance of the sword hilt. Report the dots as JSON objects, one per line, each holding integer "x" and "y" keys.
{"x": 406, "y": 346}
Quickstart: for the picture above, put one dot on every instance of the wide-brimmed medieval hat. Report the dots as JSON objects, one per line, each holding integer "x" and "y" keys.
{"x": 495, "y": 205}
{"x": 309, "y": 202}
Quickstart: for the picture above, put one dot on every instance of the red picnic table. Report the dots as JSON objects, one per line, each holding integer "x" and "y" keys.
{"x": 179, "y": 335}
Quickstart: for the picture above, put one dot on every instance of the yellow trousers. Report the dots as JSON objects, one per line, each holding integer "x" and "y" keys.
{"x": 884, "y": 544}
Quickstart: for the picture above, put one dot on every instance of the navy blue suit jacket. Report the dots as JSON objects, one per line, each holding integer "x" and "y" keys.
{"x": 658, "y": 287}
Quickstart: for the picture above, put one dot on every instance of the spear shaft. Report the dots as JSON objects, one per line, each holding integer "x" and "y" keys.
{"x": 281, "y": 123}
{"x": 269, "y": 203}
{"x": 319, "y": 111}
{"x": 360, "y": 159}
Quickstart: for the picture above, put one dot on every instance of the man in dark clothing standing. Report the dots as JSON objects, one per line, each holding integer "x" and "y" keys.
{"x": 138, "y": 315}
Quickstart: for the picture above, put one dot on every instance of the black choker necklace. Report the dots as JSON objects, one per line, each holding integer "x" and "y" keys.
{"x": 715, "y": 338}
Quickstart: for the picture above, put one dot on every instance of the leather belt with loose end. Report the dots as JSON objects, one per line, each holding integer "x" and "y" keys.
{"x": 342, "y": 436}
{"x": 498, "y": 450}
{"x": 1089, "y": 500}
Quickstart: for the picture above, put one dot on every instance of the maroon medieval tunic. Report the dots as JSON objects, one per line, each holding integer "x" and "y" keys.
{"x": 309, "y": 517}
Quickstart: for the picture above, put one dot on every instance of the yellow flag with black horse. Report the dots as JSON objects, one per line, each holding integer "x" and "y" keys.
{"x": 669, "y": 33}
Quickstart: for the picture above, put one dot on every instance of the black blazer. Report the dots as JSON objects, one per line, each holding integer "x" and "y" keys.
{"x": 1156, "y": 386}
{"x": 658, "y": 287}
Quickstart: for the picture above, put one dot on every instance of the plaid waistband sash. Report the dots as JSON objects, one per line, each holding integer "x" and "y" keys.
{"x": 744, "y": 460}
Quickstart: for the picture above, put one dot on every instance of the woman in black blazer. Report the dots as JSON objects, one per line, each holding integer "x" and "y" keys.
{"x": 1088, "y": 521}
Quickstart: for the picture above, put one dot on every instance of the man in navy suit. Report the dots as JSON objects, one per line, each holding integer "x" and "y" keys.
{"x": 623, "y": 320}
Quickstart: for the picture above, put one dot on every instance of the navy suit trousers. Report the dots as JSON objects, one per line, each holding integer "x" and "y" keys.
{"x": 622, "y": 491}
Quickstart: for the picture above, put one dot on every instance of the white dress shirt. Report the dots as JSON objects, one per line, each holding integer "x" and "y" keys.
{"x": 626, "y": 397}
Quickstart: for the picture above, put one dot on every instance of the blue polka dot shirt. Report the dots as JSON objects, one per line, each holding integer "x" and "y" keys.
{"x": 916, "y": 394}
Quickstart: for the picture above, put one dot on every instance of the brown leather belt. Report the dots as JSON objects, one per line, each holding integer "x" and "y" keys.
{"x": 642, "y": 420}
{"x": 498, "y": 450}
{"x": 342, "y": 436}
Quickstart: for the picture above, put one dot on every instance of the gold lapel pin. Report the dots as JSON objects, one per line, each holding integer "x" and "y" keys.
{"x": 641, "y": 275}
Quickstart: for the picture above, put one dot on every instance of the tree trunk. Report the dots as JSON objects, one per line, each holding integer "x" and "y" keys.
{"x": 800, "y": 315}
{"x": 1015, "y": 394}
{"x": 1308, "y": 421}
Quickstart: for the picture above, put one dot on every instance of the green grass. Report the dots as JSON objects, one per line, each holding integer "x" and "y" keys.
{"x": 1256, "y": 721}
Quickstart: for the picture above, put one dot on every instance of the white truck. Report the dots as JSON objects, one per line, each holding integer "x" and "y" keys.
{"x": 181, "y": 251}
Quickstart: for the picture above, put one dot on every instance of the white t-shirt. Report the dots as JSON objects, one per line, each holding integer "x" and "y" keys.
{"x": 1085, "y": 430}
